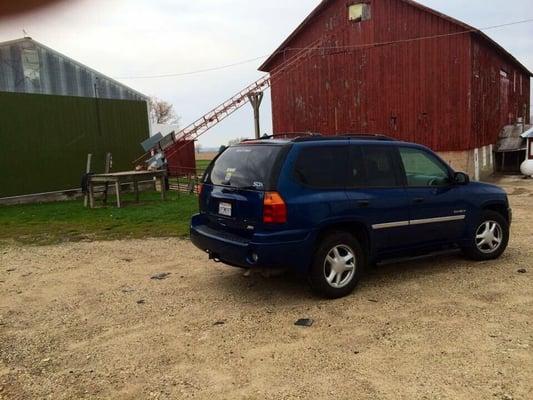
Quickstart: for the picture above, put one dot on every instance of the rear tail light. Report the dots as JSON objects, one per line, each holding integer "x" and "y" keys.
{"x": 274, "y": 209}
{"x": 200, "y": 189}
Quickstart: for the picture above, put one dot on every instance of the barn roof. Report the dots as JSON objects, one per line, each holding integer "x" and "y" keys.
{"x": 265, "y": 66}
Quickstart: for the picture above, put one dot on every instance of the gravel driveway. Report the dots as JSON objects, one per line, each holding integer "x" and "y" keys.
{"x": 85, "y": 320}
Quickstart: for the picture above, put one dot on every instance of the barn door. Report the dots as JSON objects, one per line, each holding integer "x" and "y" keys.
{"x": 504, "y": 98}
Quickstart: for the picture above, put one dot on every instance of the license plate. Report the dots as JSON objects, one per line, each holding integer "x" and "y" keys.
{"x": 224, "y": 209}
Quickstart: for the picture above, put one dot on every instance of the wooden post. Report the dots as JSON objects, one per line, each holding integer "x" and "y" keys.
{"x": 107, "y": 169}
{"x": 91, "y": 194}
{"x": 255, "y": 101}
{"x": 136, "y": 188}
{"x": 117, "y": 189}
{"x": 87, "y": 170}
{"x": 163, "y": 187}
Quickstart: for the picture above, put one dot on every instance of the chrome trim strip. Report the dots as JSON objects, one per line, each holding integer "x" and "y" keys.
{"x": 436, "y": 220}
{"x": 418, "y": 222}
{"x": 391, "y": 225}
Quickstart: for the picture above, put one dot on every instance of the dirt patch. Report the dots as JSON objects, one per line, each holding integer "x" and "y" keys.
{"x": 206, "y": 156}
{"x": 520, "y": 191}
{"x": 85, "y": 320}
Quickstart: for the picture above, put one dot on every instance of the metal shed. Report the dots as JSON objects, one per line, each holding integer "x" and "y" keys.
{"x": 27, "y": 66}
{"x": 53, "y": 112}
{"x": 399, "y": 68}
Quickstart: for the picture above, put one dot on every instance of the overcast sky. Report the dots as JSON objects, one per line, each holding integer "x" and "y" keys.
{"x": 125, "y": 38}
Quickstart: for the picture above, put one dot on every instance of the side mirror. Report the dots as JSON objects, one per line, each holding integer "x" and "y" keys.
{"x": 460, "y": 178}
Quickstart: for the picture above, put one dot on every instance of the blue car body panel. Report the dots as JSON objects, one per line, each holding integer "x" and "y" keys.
{"x": 397, "y": 220}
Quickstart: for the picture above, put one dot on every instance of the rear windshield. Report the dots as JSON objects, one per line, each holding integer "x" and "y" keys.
{"x": 247, "y": 167}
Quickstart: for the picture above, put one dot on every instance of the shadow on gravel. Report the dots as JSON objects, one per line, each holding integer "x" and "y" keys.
{"x": 291, "y": 288}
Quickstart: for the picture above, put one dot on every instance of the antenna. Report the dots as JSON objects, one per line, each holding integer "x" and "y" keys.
{"x": 26, "y": 35}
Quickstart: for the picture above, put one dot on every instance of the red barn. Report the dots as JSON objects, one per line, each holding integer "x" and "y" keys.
{"x": 399, "y": 68}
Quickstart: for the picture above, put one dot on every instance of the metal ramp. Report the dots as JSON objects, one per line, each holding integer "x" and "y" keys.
{"x": 172, "y": 143}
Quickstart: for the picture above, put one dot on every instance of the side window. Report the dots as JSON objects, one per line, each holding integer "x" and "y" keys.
{"x": 379, "y": 166}
{"x": 357, "y": 178}
{"x": 422, "y": 169}
{"x": 322, "y": 167}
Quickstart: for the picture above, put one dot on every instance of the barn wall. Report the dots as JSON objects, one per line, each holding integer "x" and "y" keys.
{"x": 500, "y": 93}
{"x": 416, "y": 91}
{"x": 181, "y": 159}
{"x": 45, "y": 139}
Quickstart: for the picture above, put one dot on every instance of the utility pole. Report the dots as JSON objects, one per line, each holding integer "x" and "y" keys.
{"x": 255, "y": 100}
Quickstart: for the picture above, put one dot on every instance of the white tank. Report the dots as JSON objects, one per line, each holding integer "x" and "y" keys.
{"x": 527, "y": 168}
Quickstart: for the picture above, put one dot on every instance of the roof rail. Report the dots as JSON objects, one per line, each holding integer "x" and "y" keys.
{"x": 288, "y": 136}
{"x": 368, "y": 136}
{"x": 345, "y": 137}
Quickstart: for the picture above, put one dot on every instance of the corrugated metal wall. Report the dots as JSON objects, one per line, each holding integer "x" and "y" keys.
{"x": 44, "y": 139}
{"x": 413, "y": 90}
{"x": 26, "y": 66}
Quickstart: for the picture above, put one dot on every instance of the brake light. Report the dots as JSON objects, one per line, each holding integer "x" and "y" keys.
{"x": 200, "y": 189}
{"x": 274, "y": 209}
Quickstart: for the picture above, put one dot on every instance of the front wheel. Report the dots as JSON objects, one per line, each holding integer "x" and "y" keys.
{"x": 337, "y": 265}
{"x": 490, "y": 238}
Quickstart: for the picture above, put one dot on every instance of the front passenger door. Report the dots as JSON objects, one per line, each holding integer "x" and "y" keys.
{"x": 437, "y": 212}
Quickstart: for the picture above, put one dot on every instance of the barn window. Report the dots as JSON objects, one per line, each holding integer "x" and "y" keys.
{"x": 359, "y": 12}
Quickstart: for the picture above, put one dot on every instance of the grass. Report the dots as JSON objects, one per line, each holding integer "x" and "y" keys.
{"x": 202, "y": 164}
{"x": 51, "y": 223}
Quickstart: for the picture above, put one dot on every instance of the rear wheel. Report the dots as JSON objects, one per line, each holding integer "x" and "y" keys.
{"x": 490, "y": 238}
{"x": 337, "y": 265}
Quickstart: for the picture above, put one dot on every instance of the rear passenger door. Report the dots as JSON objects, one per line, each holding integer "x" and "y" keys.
{"x": 377, "y": 196}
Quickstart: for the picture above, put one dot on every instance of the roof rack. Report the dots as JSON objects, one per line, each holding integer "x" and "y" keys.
{"x": 309, "y": 137}
{"x": 288, "y": 136}
{"x": 368, "y": 136}
{"x": 345, "y": 137}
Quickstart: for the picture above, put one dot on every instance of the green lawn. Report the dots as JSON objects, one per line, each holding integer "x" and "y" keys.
{"x": 70, "y": 221}
{"x": 202, "y": 164}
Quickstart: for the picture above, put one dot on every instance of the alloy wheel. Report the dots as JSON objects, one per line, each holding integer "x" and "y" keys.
{"x": 489, "y": 237}
{"x": 339, "y": 266}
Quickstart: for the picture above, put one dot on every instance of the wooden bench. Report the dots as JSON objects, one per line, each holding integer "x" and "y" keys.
{"x": 119, "y": 178}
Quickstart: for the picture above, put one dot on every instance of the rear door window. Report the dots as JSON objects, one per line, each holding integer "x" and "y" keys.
{"x": 324, "y": 167}
{"x": 374, "y": 167}
{"x": 247, "y": 167}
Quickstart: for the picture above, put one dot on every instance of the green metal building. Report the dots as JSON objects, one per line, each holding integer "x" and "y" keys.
{"x": 53, "y": 112}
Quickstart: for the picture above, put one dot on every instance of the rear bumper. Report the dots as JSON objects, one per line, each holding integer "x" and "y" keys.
{"x": 284, "y": 249}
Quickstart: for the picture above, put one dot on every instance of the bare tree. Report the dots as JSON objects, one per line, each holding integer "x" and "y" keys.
{"x": 162, "y": 112}
{"x": 198, "y": 147}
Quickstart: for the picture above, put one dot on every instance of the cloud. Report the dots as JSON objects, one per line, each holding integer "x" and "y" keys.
{"x": 124, "y": 38}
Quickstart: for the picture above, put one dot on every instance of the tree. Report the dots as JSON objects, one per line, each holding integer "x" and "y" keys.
{"x": 235, "y": 141}
{"x": 198, "y": 147}
{"x": 162, "y": 112}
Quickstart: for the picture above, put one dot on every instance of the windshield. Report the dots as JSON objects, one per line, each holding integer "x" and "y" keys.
{"x": 246, "y": 167}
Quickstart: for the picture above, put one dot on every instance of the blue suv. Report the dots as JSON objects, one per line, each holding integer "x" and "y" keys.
{"x": 330, "y": 206}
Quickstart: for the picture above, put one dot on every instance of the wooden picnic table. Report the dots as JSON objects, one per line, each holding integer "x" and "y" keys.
{"x": 118, "y": 178}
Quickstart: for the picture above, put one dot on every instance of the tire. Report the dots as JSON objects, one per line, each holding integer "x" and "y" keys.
{"x": 489, "y": 239}
{"x": 332, "y": 260}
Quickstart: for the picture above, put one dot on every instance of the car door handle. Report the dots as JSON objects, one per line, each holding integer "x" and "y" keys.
{"x": 363, "y": 203}
{"x": 419, "y": 200}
